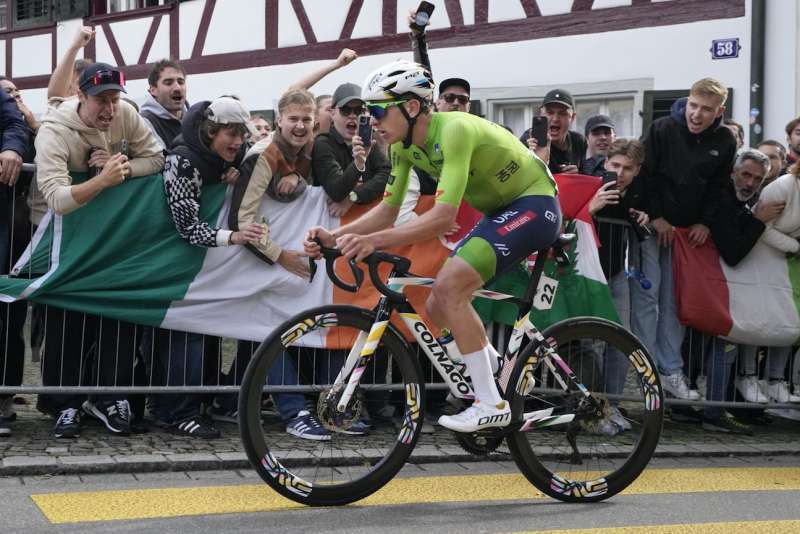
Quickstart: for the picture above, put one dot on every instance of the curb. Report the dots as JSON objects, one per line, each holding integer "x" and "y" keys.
{"x": 17, "y": 466}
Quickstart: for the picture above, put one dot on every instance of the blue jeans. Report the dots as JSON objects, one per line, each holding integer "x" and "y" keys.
{"x": 654, "y": 319}
{"x": 719, "y": 358}
{"x": 179, "y": 362}
{"x": 615, "y": 362}
{"x": 777, "y": 358}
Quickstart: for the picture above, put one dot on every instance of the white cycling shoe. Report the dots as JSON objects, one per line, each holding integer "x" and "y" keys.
{"x": 477, "y": 417}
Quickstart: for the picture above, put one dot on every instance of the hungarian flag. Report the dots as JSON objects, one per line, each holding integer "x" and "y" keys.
{"x": 754, "y": 303}
{"x": 120, "y": 256}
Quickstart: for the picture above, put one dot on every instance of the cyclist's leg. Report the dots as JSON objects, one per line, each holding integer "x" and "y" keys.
{"x": 498, "y": 242}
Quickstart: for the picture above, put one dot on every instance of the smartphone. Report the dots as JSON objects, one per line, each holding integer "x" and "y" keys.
{"x": 422, "y": 16}
{"x": 365, "y": 130}
{"x": 539, "y": 127}
{"x": 123, "y": 147}
{"x": 609, "y": 176}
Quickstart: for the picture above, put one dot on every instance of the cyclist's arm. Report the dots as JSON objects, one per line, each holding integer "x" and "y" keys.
{"x": 429, "y": 225}
{"x": 381, "y": 216}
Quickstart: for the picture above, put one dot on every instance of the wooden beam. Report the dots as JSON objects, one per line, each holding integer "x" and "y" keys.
{"x": 148, "y": 41}
{"x": 350, "y": 19}
{"x": 112, "y": 44}
{"x": 202, "y": 30}
{"x": 305, "y": 24}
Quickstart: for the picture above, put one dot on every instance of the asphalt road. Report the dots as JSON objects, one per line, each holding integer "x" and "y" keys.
{"x": 755, "y": 494}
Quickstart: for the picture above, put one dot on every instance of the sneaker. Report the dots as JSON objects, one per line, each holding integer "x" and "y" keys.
{"x": 778, "y": 390}
{"x": 726, "y": 424}
{"x": 701, "y": 386}
{"x": 7, "y": 412}
{"x": 477, "y": 417}
{"x": 306, "y": 426}
{"x": 616, "y": 417}
{"x": 750, "y": 388}
{"x": 116, "y": 415}
{"x": 4, "y": 431}
{"x": 197, "y": 427}
{"x": 678, "y": 386}
{"x": 217, "y": 413}
{"x": 68, "y": 424}
{"x": 360, "y": 427}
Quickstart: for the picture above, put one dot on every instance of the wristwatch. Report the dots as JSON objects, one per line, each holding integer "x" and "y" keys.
{"x": 353, "y": 196}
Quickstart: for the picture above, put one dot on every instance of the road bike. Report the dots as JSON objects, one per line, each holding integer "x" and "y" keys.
{"x": 554, "y": 381}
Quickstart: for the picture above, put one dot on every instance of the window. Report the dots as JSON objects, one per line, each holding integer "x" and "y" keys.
{"x": 30, "y": 12}
{"x": 3, "y": 11}
{"x": 116, "y": 6}
{"x": 518, "y": 115}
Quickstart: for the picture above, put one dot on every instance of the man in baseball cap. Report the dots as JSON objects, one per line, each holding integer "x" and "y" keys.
{"x": 600, "y": 134}
{"x": 99, "y": 78}
{"x": 453, "y": 95}
{"x": 566, "y": 147}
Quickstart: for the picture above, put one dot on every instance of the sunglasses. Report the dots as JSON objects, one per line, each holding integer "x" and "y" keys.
{"x": 378, "y": 110}
{"x": 450, "y": 98}
{"x": 103, "y": 77}
{"x": 351, "y": 110}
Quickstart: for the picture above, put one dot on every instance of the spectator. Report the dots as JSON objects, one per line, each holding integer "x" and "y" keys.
{"x": 735, "y": 230}
{"x": 776, "y": 153}
{"x": 165, "y": 102}
{"x": 688, "y": 159}
{"x": 600, "y": 135}
{"x": 91, "y": 124}
{"x": 453, "y": 95}
{"x": 212, "y": 137}
{"x": 14, "y": 144}
{"x": 566, "y": 148}
{"x": 793, "y": 141}
{"x": 280, "y": 167}
{"x": 262, "y": 127}
{"x": 737, "y": 130}
{"x": 324, "y": 115}
{"x": 349, "y": 172}
{"x": 64, "y": 82}
{"x": 324, "y": 103}
{"x": 622, "y": 200}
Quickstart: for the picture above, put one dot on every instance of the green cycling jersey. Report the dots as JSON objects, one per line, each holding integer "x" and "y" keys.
{"x": 474, "y": 160}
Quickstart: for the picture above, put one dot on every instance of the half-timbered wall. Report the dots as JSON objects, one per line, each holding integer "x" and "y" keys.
{"x": 511, "y": 50}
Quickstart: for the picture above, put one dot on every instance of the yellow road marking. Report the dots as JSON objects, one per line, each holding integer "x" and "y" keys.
{"x": 751, "y": 527}
{"x": 173, "y": 502}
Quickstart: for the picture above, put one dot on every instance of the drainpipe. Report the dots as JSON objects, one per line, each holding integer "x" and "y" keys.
{"x": 757, "y": 38}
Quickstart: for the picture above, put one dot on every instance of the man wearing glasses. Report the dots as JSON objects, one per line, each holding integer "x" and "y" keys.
{"x": 453, "y": 95}
{"x": 79, "y": 135}
{"x": 350, "y": 172}
{"x": 471, "y": 159}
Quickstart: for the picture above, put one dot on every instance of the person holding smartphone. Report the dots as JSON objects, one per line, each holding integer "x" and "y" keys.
{"x": 566, "y": 148}
{"x": 343, "y": 161}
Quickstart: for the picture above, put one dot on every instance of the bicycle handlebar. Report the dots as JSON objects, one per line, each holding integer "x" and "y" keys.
{"x": 399, "y": 263}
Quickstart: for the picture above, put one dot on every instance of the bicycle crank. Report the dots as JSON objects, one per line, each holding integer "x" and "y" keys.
{"x": 482, "y": 442}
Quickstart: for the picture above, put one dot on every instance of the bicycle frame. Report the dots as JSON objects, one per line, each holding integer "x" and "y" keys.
{"x": 366, "y": 343}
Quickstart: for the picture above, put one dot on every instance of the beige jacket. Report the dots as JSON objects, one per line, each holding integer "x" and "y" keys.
{"x": 64, "y": 141}
{"x": 783, "y": 232}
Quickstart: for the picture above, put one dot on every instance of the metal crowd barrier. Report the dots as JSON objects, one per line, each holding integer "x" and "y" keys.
{"x": 142, "y": 364}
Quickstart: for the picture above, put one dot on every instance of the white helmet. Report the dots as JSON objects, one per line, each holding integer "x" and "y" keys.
{"x": 396, "y": 79}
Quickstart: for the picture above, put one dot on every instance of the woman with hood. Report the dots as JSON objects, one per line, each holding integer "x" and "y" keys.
{"x": 213, "y": 140}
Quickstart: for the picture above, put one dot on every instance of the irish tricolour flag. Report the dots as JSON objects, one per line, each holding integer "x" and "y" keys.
{"x": 120, "y": 256}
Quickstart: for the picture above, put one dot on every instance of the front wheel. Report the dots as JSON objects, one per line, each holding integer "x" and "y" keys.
{"x": 341, "y": 464}
{"x": 580, "y": 448}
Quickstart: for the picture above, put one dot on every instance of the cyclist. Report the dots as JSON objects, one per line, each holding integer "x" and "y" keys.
{"x": 487, "y": 166}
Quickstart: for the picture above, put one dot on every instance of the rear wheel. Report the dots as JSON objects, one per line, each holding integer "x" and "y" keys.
{"x": 345, "y": 467}
{"x": 614, "y": 431}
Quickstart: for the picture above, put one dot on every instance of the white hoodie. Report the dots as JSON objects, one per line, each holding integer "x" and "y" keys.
{"x": 783, "y": 231}
{"x": 64, "y": 141}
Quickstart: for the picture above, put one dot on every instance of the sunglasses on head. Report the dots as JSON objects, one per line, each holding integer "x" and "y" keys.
{"x": 103, "y": 77}
{"x": 351, "y": 110}
{"x": 450, "y": 98}
{"x": 378, "y": 110}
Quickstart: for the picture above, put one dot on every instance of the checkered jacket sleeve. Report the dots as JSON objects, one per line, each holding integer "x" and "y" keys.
{"x": 182, "y": 185}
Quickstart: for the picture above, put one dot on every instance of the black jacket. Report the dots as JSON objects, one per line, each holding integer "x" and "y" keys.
{"x": 333, "y": 169}
{"x": 614, "y": 237}
{"x": 573, "y": 155}
{"x": 735, "y": 230}
{"x": 685, "y": 173}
